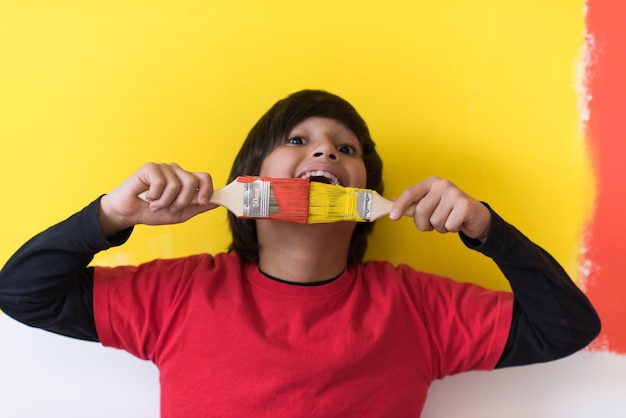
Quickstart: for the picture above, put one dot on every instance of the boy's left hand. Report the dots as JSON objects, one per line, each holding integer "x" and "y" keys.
{"x": 443, "y": 207}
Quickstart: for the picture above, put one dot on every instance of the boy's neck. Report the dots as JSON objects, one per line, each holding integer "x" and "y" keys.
{"x": 303, "y": 253}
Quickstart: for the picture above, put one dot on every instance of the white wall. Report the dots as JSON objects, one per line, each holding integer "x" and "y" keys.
{"x": 45, "y": 376}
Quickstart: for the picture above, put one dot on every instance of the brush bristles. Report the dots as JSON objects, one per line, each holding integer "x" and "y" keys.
{"x": 289, "y": 199}
{"x": 329, "y": 203}
{"x": 302, "y": 201}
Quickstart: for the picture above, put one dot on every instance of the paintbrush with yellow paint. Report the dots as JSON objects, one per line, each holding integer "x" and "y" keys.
{"x": 333, "y": 203}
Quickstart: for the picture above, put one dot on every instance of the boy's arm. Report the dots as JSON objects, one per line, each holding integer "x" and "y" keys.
{"x": 552, "y": 317}
{"x": 47, "y": 284}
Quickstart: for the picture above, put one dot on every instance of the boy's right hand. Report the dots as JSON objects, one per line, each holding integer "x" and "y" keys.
{"x": 175, "y": 196}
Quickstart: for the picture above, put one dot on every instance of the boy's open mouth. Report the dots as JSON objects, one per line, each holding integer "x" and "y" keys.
{"x": 321, "y": 177}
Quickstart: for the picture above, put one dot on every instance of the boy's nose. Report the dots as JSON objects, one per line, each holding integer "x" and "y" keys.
{"x": 331, "y": 155}
{"x": 325, "y": 148}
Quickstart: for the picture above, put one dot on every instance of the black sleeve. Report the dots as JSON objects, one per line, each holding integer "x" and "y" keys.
{"x": 552, "y": 317}
{"x": 47, "y": 283}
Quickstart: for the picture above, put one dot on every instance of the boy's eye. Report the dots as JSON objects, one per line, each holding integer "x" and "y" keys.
{"x": 296, "y": 140}
{"x": 346, "y": 149}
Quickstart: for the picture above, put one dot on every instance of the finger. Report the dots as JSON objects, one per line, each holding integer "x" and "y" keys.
{"x": 451, "y": 210}
{"x": 450, "y": 216}
{"x": 163, "y": 185}
{"x": 428, "y": 212}
{"x": 151, "y": 177}
{"x": 169, "y": 217}
{"x": 189, "y": 184}
{"x": 171, "y": 187}
{"x": 440, "y": 218}
{"x": 409, "y": 197}
{"x": 196, "y": 188}
{"x": 205, "y": 188}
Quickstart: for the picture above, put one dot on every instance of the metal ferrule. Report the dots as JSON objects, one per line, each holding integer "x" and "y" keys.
{"x": 364, "y": 204}
{"x": 256, "y": 199}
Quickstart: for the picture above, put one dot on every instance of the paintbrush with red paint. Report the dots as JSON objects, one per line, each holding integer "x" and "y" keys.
{"x": 283, "y": 199}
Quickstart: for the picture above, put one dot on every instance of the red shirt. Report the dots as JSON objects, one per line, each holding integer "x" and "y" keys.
{"x": 228, "y": 341}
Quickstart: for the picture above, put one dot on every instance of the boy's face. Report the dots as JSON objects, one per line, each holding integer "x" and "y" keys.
{"x": 321, "y": 148}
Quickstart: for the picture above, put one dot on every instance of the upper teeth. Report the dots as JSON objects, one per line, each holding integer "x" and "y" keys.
{"x": 319, "y": 173}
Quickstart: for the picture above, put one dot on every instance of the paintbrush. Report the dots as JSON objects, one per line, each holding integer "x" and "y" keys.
{"x": 299, "y": 200}
{"x": 333, "y": 203}
{"x": 283, "y": 199}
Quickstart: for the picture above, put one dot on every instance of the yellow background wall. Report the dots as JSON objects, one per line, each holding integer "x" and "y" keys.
{"x": 482, "y": 92}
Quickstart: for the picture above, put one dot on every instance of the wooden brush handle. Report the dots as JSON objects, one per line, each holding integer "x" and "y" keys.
{"x": 382, "y": 206}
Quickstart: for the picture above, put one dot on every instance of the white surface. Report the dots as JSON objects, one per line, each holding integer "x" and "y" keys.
{"x": 44, "y": 375}
{"x": 584, "y": 385}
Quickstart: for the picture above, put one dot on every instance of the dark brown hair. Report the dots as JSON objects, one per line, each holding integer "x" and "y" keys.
{"x": 271, "y": 130}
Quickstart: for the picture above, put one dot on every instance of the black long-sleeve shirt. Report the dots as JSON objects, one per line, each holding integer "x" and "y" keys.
{"x": 48, "y": 284}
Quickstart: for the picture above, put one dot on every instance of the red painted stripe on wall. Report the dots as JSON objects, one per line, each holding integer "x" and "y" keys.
{"x": 606, "y": 134}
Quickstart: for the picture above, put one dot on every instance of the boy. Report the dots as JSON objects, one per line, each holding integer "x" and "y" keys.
{"x": 291, "y": 321}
